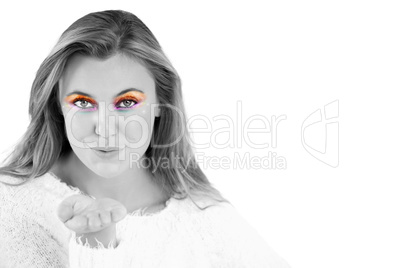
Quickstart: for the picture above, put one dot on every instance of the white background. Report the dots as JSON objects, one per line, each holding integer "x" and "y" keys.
{"x": 279, "y": 58}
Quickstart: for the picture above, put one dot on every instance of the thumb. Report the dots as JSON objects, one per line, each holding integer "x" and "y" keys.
{"x": 65, "y": 210}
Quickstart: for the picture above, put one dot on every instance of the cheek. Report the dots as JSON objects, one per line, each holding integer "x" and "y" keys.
{"x": 137, "y": 127}
{"x": 78, "y": 127}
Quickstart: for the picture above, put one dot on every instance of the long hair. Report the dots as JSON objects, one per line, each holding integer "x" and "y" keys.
{"x": 102, "y": 35}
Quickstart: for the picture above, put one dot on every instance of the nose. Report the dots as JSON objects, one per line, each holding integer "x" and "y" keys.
{"x": 105, "y": 125}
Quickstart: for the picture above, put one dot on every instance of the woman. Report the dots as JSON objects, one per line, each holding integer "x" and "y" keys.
{"x": 105, "y": 175}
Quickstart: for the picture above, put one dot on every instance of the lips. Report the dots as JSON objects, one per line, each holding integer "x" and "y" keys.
{"x": 105, "y": 149}
{"x": 106, "y": 153}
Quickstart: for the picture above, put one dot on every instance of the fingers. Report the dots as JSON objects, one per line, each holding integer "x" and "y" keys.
{"x": 118, "y": 213}
{"x": 78, "y": 224}
{"x": 105, "y": 217}
{"x": 94, "y": 221}
{"x": 91, "y": 222}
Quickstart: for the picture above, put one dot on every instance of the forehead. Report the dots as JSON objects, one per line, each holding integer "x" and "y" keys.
{"x": 104, "y": 78}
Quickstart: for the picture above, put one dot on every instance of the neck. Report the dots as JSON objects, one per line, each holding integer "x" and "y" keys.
{"x": 133, "y": 188}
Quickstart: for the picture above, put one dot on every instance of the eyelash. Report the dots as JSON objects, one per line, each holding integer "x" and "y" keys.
{"x": 117, "y": 108}
{"x": 135, "y": 102}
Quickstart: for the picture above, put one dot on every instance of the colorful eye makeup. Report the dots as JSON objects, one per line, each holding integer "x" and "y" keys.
{"x": 124, "y": 102}
{"x": 81, "y": 102}
{"x": 129, "y": 100}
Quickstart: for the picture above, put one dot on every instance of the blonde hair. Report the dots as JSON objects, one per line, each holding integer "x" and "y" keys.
{"x": 102, "y": 35}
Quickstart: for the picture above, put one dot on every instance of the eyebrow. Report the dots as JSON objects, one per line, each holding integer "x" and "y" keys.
{"x": 118, "y": 94}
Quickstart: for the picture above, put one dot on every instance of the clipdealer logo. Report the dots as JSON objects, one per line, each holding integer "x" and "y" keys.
{"x": 320, "y": 134}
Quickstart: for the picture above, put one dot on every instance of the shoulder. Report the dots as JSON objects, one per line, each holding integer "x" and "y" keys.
{"x": 41, "y": 186}
{"x": 9, "y": 187}
{"x": 208, "y": 217}
{"x": 31, "y": 191}
{"x": 36, "y": 198}
{"x": 217, "y": 213}
{"x": 225, "y": 218}
{"x": 22, "y": 197}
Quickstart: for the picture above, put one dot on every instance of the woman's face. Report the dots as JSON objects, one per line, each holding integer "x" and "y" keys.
{"x": 108, "y": 105}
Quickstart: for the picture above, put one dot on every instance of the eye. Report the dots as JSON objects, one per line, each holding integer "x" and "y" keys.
{"x": 128, "y": 103}
{"x": 83, "y": 104}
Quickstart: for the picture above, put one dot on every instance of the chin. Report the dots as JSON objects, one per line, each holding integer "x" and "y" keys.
{"x": 107, "y": 171}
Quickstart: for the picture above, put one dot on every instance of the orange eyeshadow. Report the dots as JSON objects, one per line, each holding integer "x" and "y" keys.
{"x": 137, "y": 97}
{"x": 73, "y": 98}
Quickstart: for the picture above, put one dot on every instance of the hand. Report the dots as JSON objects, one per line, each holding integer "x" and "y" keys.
{"x": 92, "y": 217}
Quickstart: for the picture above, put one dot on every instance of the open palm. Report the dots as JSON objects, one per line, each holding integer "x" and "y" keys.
{"x": 83, "y": 214}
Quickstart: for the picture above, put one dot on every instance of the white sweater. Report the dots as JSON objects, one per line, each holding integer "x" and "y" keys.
{"x": 180, "y": 235}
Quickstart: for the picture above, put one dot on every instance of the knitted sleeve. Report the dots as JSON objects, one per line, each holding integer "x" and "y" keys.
{"x": 83, "y": 256}
{"x": 24, "y": 242}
